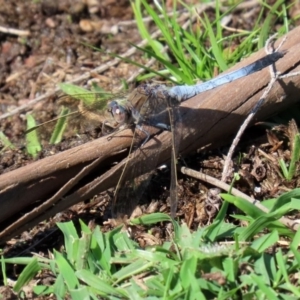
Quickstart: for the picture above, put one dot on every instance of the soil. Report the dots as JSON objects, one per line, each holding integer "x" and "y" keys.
{"x": 56, "y": 42}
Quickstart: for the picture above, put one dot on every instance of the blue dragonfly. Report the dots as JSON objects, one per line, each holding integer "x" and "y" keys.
{"x": 156, "y": 106}
{"x": 147, "y": 106}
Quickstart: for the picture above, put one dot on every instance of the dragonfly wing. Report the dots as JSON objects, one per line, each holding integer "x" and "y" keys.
{"x": 163, "y": 110}
{"x": 176, "y": 130}
{"x": 141, "y": 163}
{"x": 152, "y": 110}
{"x": 137, "y": 173}
{"x": 88, "y": 111}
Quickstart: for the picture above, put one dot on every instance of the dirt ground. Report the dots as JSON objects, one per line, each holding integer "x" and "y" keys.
{"x": 43, "y": 43}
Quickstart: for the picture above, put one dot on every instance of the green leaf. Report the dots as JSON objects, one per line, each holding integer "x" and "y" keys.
{"x": 215, "y": 47}
{"x": 103, "y": 288}
{"x": 60, "y": 127}
{"x": 81, "y": 293}
{"x": 75, "y": 91}
{"x": 5, "y": 141}
{"x": 103, "y": 251}
{"x": 283, "y": 168}
{"x": 27, "y": 274}
{"x": 151, "y": 219}
{"x": 266, "y": 290}
{"x": 59, "y": 287}
{"x": 213, "y": 230}
{"x": 43, "y": 290}
{"x": 248, "y": 208}
{"x": 295, "y": 156}
{"x": 66, "y": 271}
{"x": 291, "y": 198}
{"x": 71, "y": 239}
{"x": 266, "y": 241}
{"x": 230, "y": 268}
{"x": 132, "y": 269}
{"x": 188, "y": 269}
{"x": 268, "y": 21}
{"x": 33, "y": 145}
{"x": 83, "y": 251}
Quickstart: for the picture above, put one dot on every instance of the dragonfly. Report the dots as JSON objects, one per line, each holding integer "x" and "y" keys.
{"x": 151, "y": 105}
{"x": 155, "y": 106}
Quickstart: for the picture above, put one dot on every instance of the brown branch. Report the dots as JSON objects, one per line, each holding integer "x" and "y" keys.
{"x": 208, "y": 119}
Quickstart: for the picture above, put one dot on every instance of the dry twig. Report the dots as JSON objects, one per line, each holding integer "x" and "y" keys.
{"x": 14, "y": 31}
{"x": 274, "y": 77}
{"x": 226, "y": 187}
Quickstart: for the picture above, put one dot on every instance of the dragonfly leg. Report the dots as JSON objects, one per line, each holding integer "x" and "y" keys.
{"x": 117, "y": 130}
{"x": 157, "y": 125}
{"x": 139, "y": 127}
{"x": 104, "y": 126}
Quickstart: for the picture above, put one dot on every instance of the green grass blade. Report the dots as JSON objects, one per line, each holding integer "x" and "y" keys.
{"x": 266, "y": 290}
{"x": 215, "y": 46}
{"x": 3, "y": 270}
{"x": 102, "y": 251}
{"x": 283, "y": 168}
{"x": 189, "y": 267}
{"x": 268, "y": 24}
{"x": 264, "y": 242}
{"x": 5, "y": 141}
{"x": 103, "y": 288}
{"x": 60, "y": 127}
{"x": 83, "y": 251}
{"x": 33, "y": 145}
{"x": 44, "y": 290}
{"x": 295, "y": 156}
{"x": 71, "y": 239}
{"x": 248, "y": 208}
{"x": 80, "y": 293}
{"x": 296, "y": 240}
{"x": 151, "y": 219}
{"x": 213, "y": 230}
{"x": 286, "y": 198}
{"x": 75, "y": 91}
{"x": 59, "y": 287}
{"x": 66, "y": 270}
{"x": 132, "y": 269}
{"x": 27, "y": 274}
{"x": 136, "y": 7}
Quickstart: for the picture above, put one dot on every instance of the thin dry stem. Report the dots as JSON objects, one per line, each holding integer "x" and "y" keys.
{"x": 14, "y": 31}
{"x": 222, "y": 185}
{"x": 274, "y": 77}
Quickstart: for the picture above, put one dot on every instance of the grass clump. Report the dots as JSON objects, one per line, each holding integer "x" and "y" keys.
{"x": 197, "y": 265}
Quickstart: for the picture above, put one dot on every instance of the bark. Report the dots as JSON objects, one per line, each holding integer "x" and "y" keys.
{"x": 207, "y": 119}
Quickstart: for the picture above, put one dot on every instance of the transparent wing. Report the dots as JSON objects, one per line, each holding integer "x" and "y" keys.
{"x": 94, "y": 110}
{"x": 87, "y": 110}
{"x": 131, "y": 186}
{"x": 176, "y": 129}
{"x": 153, "y": 111}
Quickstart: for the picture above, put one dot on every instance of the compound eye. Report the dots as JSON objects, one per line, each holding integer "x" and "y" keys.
{"x": 118, "y": 112}
{"x": 111, "y": 105}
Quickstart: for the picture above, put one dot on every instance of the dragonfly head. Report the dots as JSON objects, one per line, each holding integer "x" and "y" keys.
{"x": 118, "y": 112}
